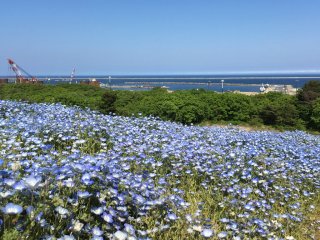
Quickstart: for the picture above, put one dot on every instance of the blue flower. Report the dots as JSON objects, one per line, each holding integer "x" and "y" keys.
{"x": 96, "y": 231}
{"x": 119, "y": 235}
{"x": 62, "y": 211}
{"x": 207, "y": 233}
{"x": 129, "y": 229}
{"x": 97, "y": 210}
{"x": 222, "y": 235}
{"x": 67, "y": 237}
{"x": 84, "y": 194}
{"x": 96, "y": 238}
{"x": 69, "y": 183}
{"x": 9, "y": 181}
{"x": 32, "y": 181}
{"x": 19, "y": 186}
{"x": 30, "y": 210}
{"x": 172, "y": 216}
{"x": 107, "y": 217}
{"x": 86, "y": 179}
{"x": 12, "y": 208}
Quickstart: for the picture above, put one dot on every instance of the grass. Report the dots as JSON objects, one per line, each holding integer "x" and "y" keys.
{"x": 309, "y": 228}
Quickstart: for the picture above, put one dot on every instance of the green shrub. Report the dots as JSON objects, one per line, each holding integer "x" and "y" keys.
{"x": 185, "y": 106}
{"x": 107, "y": 102}
{"x": 315, "y": 115}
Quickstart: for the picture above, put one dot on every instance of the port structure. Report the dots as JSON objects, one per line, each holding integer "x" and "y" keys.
{"x": 19, "y": 76}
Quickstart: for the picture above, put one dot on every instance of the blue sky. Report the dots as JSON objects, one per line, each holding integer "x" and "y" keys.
{"x": 160, "y": 36}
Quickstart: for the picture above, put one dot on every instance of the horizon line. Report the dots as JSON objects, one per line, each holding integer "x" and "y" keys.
{"x": 181, "y": 73}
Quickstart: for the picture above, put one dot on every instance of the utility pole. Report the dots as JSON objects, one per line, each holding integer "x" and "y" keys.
{"x": 72, "y": 75}
{"x": 209, "y": 82}
{"x": 222, "y": 81}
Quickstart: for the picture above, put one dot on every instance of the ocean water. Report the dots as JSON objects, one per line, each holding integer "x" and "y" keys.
{"x": 243, "y": 83}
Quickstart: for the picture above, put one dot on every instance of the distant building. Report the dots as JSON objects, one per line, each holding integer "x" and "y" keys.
{"x": 91, "y": 82}
{"x": 286, "y": 89}
{"x": 28, "y": 81}
{"x": 3, "y": 80}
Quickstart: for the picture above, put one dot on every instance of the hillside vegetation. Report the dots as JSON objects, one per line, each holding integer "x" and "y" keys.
{"x": 72, "y": 173}
{"x": 186, "y": 106}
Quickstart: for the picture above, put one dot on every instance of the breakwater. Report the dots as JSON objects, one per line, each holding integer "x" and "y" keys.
{"x": 195, "y": 83}
{"x": 242, "y": 83}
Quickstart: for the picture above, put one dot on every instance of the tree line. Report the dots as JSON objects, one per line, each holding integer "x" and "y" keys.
{"x": 186, "y": 106}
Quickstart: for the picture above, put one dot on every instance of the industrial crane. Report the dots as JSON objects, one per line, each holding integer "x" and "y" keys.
{"x": 18, "y": 71}
{"x": 72, "y": 75}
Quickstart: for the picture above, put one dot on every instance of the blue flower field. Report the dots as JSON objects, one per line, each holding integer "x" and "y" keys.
{"x": 72, "y": 173}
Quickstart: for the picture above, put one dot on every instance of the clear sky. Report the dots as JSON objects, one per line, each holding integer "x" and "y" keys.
{"x": 160, "y": 36}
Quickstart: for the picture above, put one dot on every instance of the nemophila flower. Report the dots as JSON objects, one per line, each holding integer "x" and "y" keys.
{"x": 107, "y": 217}
{"x": 67, "y": 237}
{"x": 86, "y": 179}
{"x": 96, "y": 231}
{"x": 80, "y": 141}
{"x": 97, "y": 238}
{"x": 172, "y": 216}
{"x": 97, "y": 210}
{"x": 32, "y": 181}
{"x": 43, "y": 222}
{"x": 306, "y": 193}
{"x": 119, "y": 235}
{"x": 39, "y": 216}
{"x": 84, "y": 194}
{"x": 224, "y": 220}
{"x": 19, "y": 186}
{"x": 6, "y": 194}
{"x": 129, "y": 229}
{"x": 4, "y": 174}
{"x": 222, "y": 234}
{"x": 12, "y": 208}
{"x": 61, "y": 210}
{"x": 69, "y": 183}
{"x": 207, "y": 233}
{"x": 9, "y": 181}
{"x": 48, "y": 237}
{"x": 30, "y": 210}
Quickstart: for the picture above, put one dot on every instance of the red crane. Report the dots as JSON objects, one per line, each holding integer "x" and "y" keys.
{"x": 18, "y": 71}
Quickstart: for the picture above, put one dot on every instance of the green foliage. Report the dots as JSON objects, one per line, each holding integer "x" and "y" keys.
{"x": 107, "y": 102}
{"x": 11, "y": 234}
{"x": 126, "y": 101}
{"x": 185, "y": 106}
{"x": 280, "y": 111}
{"x": 168, "y": 109}
{"x": 315, "y": 115}
{"x": 190, "y": 113}
{"x": 308, "y": 104}
{"x": 68, "y": 94}
{"x": 310, "y": 91}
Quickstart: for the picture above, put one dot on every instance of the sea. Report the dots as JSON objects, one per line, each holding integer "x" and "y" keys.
{"x": 231, "y": 82}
